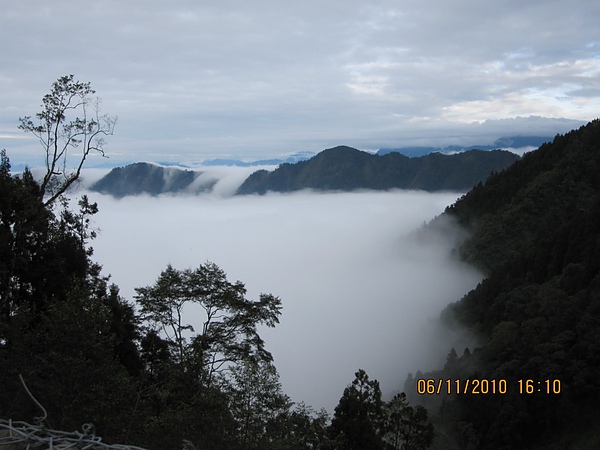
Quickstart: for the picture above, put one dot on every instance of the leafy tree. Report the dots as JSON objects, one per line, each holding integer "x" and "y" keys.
{"x": 59, "y": 325}
{"x": 124, "y": 327}
{"x": 300, "y": 428}
{"x": 229, "y": 332}
{"x": 80, "y": 223}
{"x": 255, "y": 401}
{"x": 71, "y": 337}
{"x": 67, "y": 357}
{"x": 162, "y": 305}
{"x": 69, "y": 119}
{"x": 173, "y": 406}
{"x": 406, "y": 427}
{"x": 216, "y": 388}
{"x": 42, "y": 256}
{"x": 357, "y": 420}
{"x": 155, "y": 353}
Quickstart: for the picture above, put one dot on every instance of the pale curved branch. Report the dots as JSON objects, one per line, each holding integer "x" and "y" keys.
{"x": 58, "y": 134}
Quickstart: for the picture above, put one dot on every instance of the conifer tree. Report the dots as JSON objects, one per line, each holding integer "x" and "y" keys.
{"x": 357, "y": 420}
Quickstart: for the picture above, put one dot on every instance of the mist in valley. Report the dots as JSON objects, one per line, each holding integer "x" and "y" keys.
{"x": 357, "y": 290}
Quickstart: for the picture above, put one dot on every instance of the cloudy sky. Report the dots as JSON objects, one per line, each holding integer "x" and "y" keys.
{"x": 193, "y": 80}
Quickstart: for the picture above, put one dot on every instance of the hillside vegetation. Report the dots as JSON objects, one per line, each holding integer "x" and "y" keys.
{"x": 145, "y": 178}
{"x": 339, "y": 168}
{"x": 345, "y": 169}
{"x": 535, "y": 230}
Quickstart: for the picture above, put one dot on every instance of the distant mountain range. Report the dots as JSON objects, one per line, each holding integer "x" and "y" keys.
{"x": 339, "y": 168}
{"x": 346, "y": 168}
{"x": 296, "y": 157}
{"x": 503, "y": 143}
{"x": 514, "y": 142}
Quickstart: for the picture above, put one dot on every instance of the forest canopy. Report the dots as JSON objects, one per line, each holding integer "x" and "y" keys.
{"x": 535, "y": 231}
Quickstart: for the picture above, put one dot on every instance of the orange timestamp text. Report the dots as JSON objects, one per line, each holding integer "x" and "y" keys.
{"x": 432, "y": 386}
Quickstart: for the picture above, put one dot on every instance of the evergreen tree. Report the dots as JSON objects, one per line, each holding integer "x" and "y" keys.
{"x": 358, "y": 418}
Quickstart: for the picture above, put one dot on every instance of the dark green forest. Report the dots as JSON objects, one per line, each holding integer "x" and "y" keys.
{"x": 535, "y": 232}
{"x": 145, "y": 178}
{"x": 345, "y": 169}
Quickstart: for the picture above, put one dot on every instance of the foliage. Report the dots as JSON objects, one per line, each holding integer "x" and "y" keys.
{"x": 68, "y": 358}
{"x": 256, "y": 401}
{"x": 534, "y": 230}
{"x": 406, "y": 427}
{"x": 363, "y": 421}
{"x": 229, "y": 332}
{"x": 58, "y": 315}
{"x": 43, "y": 256}
{"x": 357, "y": 420}
{"x": 300, "y": 428}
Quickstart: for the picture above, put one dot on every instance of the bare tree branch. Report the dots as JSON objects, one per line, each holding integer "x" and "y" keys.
{"x": 69, "y": 120}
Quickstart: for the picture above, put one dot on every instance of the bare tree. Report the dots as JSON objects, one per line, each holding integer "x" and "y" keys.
{"x": 70, "y": 119}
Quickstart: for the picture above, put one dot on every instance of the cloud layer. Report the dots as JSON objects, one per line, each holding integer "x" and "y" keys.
{"x": 357, "y": 292}
{"x": 195, "y": 80}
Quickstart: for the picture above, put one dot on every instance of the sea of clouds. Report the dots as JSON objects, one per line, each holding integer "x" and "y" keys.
{"x": 358, "y": 291}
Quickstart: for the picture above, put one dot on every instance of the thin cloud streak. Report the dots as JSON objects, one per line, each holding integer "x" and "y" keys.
{"x": 356, "y": 291}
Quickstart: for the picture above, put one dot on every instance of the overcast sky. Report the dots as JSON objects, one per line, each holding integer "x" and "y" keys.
{"x": 194, "y": 80}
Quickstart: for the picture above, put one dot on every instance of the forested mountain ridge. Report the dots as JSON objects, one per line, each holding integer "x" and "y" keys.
{"x": 339, "y": 168}
{"x": 346, "y": 168}
{"x": 145, "y": 178}
{"x": 535, "y": 230}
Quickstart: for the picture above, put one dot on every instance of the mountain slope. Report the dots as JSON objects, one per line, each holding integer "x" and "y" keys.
{"x": 145, "y": 178}
{"x": 535, "y": 230}
{"x": 346, "y": 168}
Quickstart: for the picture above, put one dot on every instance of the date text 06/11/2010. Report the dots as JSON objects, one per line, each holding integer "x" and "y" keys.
{"x": 431, "y": 386}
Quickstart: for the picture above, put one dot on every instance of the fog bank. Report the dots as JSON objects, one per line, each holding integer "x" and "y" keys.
{"x": 356, "y": 291}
